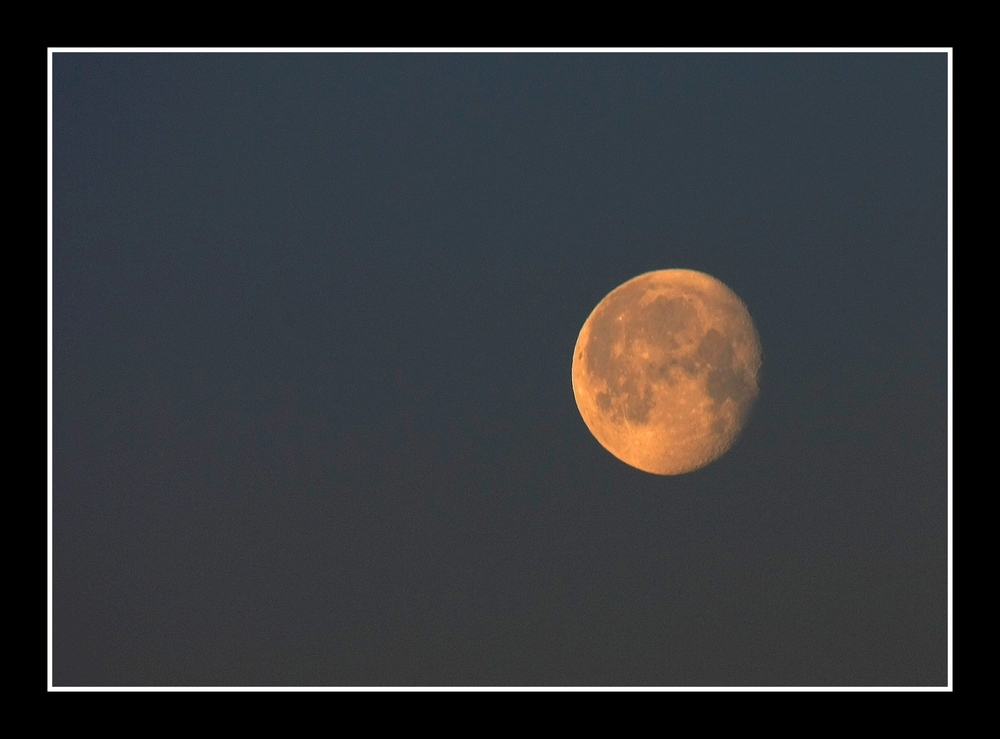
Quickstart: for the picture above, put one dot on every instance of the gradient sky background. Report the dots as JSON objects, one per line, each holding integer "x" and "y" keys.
{"x": 313, "y": 325}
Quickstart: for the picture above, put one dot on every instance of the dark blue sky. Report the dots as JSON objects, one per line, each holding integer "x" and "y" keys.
{"x": 313, "y": 325}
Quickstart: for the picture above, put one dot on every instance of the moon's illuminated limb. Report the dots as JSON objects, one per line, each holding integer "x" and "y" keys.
{"x": 665, "y": 370}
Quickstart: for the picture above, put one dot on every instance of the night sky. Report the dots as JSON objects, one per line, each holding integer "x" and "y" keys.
{"x": 313, "y": 326}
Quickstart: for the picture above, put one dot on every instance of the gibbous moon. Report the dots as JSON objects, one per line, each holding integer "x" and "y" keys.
{"x": 665, "y": 371}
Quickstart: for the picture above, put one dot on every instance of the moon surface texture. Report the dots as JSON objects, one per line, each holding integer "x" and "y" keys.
{"x": 665, "y": 370}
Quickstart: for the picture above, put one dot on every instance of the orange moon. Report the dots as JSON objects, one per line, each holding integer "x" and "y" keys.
{"x": 665, "y": 371}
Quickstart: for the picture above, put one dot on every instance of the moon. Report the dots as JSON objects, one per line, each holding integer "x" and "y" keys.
{"x": 665, "y": 371}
